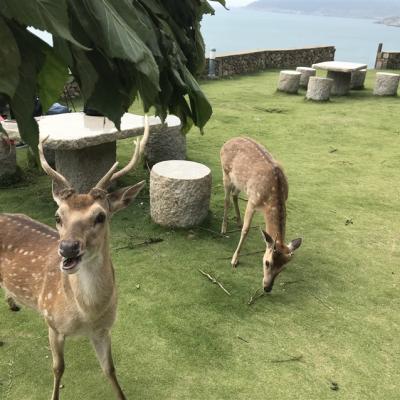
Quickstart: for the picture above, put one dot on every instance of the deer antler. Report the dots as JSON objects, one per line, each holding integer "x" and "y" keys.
{"x": 56, "y": 176}
{"x": 111, "y": 175}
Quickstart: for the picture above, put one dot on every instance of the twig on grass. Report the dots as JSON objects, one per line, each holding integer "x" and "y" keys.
{"x": 144, "y": 243}
{"x": 242, "y": 339}
{"x": 322, "y": 302}
{"x": 240, "y": 229}
{"x": 215, "y": 233}
{"x": 290, "y": 359}
{"x": 213, "y": 280}
{"x": 256, "y": 296}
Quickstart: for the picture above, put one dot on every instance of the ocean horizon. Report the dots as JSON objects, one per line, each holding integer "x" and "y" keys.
{"x": 242, "y": 29}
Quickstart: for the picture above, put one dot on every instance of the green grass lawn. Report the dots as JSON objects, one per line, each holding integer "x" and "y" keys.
{"x": 333, "y": 316}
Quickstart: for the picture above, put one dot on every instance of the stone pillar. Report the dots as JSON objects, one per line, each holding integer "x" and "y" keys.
{"x": 180, "y": 193}
{"x": 358, "y": 79}
{"x": 341, "y": 82}
{"x": 306, "y": 73}
{"x": 168, "y": 144}
{"x": 319, "y": 89}
{"x": 386, "y": 84}
{"x": 289, "y": 81}
{"x": 85, "y": 167}
{"x": 8, "y": 157}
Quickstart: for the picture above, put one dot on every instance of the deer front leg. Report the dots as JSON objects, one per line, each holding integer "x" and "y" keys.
{"x": 57, "y": 341}
{"x": 102, "y": 344}
{"x": 227, "y": 202}
{"x": 248, "y": 216}
{"x": 235, "y": 197}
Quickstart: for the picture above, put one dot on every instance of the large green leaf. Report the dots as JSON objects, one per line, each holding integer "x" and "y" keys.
{"x": 46, "y": 15}
{"x": 10, "y": 60}
{"x": 51, "y": 79}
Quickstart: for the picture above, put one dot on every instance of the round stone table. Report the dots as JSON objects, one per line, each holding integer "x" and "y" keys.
{"x": 85, "y": 146}
{"x": 180, "y": 193}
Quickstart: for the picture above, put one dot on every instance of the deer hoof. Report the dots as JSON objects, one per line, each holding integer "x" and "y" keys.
{"x": 13, "y": 305}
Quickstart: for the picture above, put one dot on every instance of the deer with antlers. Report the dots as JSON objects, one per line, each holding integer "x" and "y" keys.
{"x": 247, "y": 166}
{"x": 67, "y": 274}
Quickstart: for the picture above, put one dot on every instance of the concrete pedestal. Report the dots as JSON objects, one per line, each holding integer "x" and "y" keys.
{"x": 358, "y": 79}
{"x": 341, "y": 82}
{"x": 289, "y": 81}
{"x": 306, "y": 74}
{"x": 85, "y": 167}
{"x": 386, "y": 84}
{"x": 8, "y": 158}
{"x": 319, "y": 89}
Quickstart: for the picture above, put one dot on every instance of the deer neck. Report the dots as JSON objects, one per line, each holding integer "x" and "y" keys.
{"x": 275, "y": 220}
{"x": 93, "y": 285}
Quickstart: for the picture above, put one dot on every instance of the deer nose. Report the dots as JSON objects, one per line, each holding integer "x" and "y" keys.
{"x": 69, "y": 248}
{"x": 268, "y": 289}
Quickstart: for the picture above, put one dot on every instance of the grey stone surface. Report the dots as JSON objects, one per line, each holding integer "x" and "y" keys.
{"x": 169, "y": 144}
{"x": 8, "y": 159}
{"x": 74, "y": 131}
{"x": 388, "y": 60}
{"x": 341, "y": 82}
{"x": 306, "y": 73}
{"x": 85, "y": 167}
{"x": 386, "y": 84}
{"x": 180, "y": 193}
{"x": 319, "y": 89}
{"x": 289, "y": 81}
{"x": 358, "y": 79}
{"x": 339, "y": 66}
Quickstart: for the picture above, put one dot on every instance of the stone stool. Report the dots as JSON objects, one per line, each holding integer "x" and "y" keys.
{"x": 319, "y": 89}
{"x": 180, "y": 193}
{"x": 8, "y": 158}
{"x": 358, "y": 79}
{"x": 168, "y": 144}
{"x": 289, "y": 81}
{"x": 386, "y": 84}
{"x": 306, "y": 73}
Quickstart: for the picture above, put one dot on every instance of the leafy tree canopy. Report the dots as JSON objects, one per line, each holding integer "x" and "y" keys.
{"x": 116, "y": 49}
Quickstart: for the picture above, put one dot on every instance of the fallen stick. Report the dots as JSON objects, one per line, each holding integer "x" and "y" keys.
{"x": 240, "y": 229}
{"x": 322, "y": 302}
{"x": 242, "y": 339}
{"x": 145, "y": 242}
{"x": 213, "y": 280}
{"x": 215, "y": 233}
{"x": 255, "y": 296}
{"x": 291, "y": 359}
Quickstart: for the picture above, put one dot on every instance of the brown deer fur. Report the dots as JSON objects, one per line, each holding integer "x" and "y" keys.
{"x": 67, "y": 274}
{"x": 247, "y": 166}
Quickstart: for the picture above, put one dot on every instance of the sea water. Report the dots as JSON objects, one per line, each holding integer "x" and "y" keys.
{"x": 356, "y": 40}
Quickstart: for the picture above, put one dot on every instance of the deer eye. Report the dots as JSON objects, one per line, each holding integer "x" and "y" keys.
{"x": 100, "y": 218}
{"x": 58, "y": 219}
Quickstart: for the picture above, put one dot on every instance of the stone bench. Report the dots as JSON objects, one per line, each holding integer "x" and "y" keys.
{"x": 289, "y": 81}
{"x": 358, "y": 79}
{"x": 180, "y": 193}
{"x": 319, "y": 89}
{"x": 306, "y": 74}
{"x": 8, "y": 157}
{"x": 85, "y": 146}
{"x": 386, "y": 84}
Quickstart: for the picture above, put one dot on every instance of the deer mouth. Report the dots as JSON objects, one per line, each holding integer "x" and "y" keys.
{"x": 69, "y": 264}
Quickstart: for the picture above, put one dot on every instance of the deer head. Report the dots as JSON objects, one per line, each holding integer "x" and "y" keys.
{"x": 276, "y": 256}
{"x": 82, "y": 220}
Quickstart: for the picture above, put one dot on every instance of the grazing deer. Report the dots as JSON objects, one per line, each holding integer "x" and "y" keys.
{"x": 247, "y": 166}
{"x": 68, "y": 276}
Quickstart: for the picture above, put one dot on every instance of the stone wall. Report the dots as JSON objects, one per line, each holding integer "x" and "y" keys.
{"x": 388, "y": 60}
{"x": 227, "y": 64}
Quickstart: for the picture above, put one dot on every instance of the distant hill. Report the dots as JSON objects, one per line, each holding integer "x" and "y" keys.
{"x": 390, "y": 21}
{"x": 376, "y": 9}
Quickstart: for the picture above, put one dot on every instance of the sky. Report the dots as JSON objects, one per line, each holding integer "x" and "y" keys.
{"x": 238, "y": 3}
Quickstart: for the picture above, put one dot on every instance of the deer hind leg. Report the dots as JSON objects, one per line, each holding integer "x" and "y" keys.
{"x": 57, "y": 341}
{"x": 102, "y": 344}
{"x": 12, "y": 304}
{"x": 235, "y": 197}
{"x": 248, "y": 216}
{"x": 227, "y": 201}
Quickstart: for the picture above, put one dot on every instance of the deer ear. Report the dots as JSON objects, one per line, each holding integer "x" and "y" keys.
{"x": 295, "y": 244}
{"x": 121, "y": 198}
{"x": 61, "y": 193}
{"x": 267, "y": 239}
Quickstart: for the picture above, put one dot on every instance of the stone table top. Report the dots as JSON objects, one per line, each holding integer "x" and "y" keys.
{"x": 181, "y": 170}
{"x": 339, "y": 66}
{"x": 74, "y": 131}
